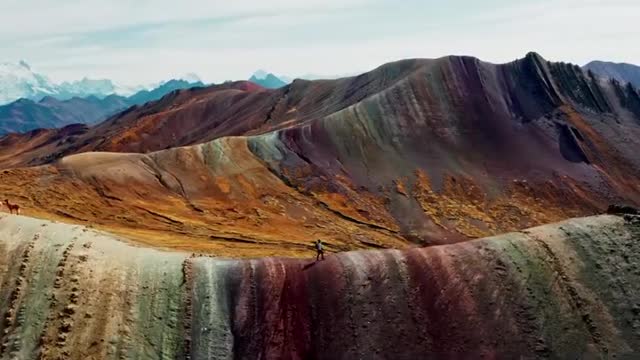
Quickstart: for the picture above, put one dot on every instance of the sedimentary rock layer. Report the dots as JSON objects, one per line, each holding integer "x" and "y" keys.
{"x": 562, "y": 290}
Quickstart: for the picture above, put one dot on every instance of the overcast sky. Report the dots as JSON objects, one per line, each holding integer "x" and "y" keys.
{"x": 142, "y": 41}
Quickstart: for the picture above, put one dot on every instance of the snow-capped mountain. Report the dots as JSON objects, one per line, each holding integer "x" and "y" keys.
{"x": 190, "y": 78}
{"x": 51, "y": 112}
{"x": 87, "y": 87}
{"x": 19, "y": 81}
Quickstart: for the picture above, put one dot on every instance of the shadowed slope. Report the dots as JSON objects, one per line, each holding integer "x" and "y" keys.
{"x": 26, "y": 115}
{"x": 561, "y": 290}
{"x": 619, "y": 71}
{"x": 18, "y": 149}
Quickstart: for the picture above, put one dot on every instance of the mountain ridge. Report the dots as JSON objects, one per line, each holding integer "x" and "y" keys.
{"x": 576, "y": 275}
{"x": 25, "y": 115}
{"x": 412, "y": 152}
{"x": 20, "y": 81}
{"x": 267, "y": 80}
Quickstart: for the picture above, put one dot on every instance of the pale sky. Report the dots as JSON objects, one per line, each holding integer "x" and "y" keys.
{"x": 143, "y": 41}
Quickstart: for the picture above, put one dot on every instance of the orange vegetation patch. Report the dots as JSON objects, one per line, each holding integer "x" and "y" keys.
{"x": 245, "y": 219}
{"x": 463, "y": 207}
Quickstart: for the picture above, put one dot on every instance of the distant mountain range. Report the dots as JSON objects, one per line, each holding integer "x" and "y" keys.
{"x": 627, "y": 73}
{"x": 45, "y": 104}
{"x": 25, "y": 114}
{"x": 19, "y": 81}
{"x": 268, "y": 80}
{"x": 620, "y": 71}
{"x": 163, "y": 89}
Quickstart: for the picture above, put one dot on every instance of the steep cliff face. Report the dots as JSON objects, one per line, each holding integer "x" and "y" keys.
{"x": 561, "y": 290}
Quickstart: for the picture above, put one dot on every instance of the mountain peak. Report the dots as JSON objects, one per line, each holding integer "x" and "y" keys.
{"x": 260, "y": 74}
{"x": 18, "y": 80}
{"x": 24, "y": 65}
{"x": 48, "y": 100}
{"x": 190, "y": 77}
{"x": 535, "y": 56}
{"x": 267, "y": 80}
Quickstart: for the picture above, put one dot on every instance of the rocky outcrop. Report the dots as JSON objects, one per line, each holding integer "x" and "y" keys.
{"x": 563, "y": 290}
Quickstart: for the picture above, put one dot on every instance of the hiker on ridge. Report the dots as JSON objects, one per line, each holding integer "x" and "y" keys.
{"x": 319, "y": 250}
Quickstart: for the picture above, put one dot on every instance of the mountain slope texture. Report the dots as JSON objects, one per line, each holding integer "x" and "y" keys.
{"x": 415, "y": 152}
{"x": 625, "y": 73}
{"x": 558, "y": 291}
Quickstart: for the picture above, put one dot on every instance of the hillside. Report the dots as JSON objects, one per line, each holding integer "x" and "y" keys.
{"x": 625, "y": 73}
{"x": 26, "y": 115}
{"x": 199, "y": 115}
{"x": 414, "y": 152}
{"x": 555, "y": 291}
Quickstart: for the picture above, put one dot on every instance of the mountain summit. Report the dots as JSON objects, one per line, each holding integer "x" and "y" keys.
{"x": 267, "y": 80}
{"x": 19, "y": 81}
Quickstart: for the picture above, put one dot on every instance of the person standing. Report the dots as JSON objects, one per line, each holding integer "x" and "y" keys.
{"x": 319, "y": 250}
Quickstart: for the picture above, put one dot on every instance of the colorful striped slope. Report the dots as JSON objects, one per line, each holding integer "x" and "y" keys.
{"x": 564, "y": 291}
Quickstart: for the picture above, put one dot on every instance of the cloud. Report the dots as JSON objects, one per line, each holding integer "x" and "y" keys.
{"x": 145, "y": 40}
{"x": 26, "y": 18}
